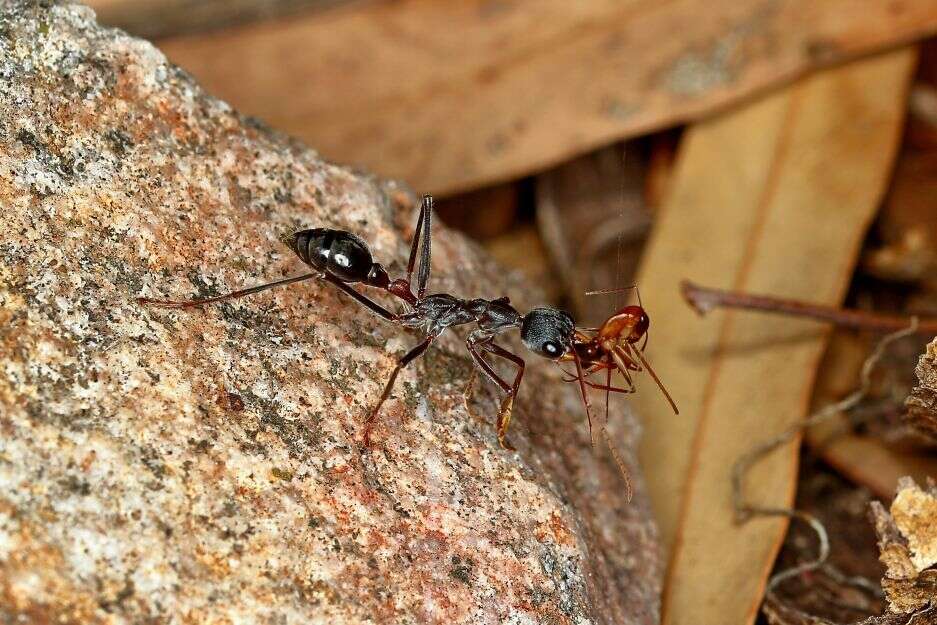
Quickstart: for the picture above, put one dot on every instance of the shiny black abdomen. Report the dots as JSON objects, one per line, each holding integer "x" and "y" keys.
{"x": 340, "y": 253}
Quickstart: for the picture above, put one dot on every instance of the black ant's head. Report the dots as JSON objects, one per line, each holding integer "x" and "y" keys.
{"x": 548, "y": 332}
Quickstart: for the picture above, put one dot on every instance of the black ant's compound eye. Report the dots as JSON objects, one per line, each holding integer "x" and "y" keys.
{"x": 548, "y": 332}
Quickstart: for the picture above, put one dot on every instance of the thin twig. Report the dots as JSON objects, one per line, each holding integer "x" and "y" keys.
{"x": 704, "y": 299}
{"x": 745, "y": 511}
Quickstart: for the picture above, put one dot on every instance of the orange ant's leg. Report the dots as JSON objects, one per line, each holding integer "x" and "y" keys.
{"x": 625, "y": 365}
{"x": 620, "y": 352}
{"x": 608, "y": 386}
{"x": 624, "y": 362}
{"x": 611, "y": 389}
{"x": 603, "y": 366}
{"x": 622, "y": 469}
{"x": 587, "y": 372}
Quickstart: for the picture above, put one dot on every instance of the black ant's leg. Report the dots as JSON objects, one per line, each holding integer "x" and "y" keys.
{"x": 406, "y": 359}
{"x": 415, "y": 242}
{"x": 425, "y": 208}
{"x": 363, "y": 299}
{"x": 471, "y": 343}
{"x": 510, "y": 390}
{"x": 585, "y": 396}
{"x": 170, "y": 303}
{"x": 423, "y": 274}
{"x": 507, "y": 406}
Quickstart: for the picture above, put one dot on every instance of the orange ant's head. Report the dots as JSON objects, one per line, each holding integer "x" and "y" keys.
{"x": 630, "y": 323}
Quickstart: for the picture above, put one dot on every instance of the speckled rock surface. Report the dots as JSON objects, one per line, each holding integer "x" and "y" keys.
{"x": 206, "y": 466}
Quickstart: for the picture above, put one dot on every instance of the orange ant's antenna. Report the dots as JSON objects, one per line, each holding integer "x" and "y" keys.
{"x": 619, "y": 289}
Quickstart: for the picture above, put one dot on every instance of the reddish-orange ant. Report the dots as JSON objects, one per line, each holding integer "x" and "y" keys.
{"x": 610, "y": 347}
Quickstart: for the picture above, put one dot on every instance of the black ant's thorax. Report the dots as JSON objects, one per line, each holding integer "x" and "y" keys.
{"x": 441, "y": 310}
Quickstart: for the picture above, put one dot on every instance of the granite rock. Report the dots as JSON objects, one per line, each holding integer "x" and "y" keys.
{"x": 206, "y": 466}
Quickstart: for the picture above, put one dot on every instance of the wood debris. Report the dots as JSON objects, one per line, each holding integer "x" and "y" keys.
{"x": 907, "y": 536}
{"x": 922, "y": 403}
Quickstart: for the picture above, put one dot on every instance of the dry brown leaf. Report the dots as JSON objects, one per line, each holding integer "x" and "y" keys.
{"x": 456, "y": 95}
{"x": 774, "y": 197}
{"x": 155, "y": 18}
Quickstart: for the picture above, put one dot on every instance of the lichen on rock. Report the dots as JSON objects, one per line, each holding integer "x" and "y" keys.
{"x": 205, "y": 466}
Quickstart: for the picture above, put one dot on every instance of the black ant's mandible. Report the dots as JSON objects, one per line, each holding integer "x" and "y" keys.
{"x": 344, "y": 259}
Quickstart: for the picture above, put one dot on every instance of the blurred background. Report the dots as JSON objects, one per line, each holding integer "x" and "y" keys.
{"x": 786, "y": 147}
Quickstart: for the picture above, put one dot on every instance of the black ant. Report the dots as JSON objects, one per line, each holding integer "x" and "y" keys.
{"x": 343, "y": 259}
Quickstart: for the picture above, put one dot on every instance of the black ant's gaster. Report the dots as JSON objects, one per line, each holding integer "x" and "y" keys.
{"x": 344, "y": 259}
